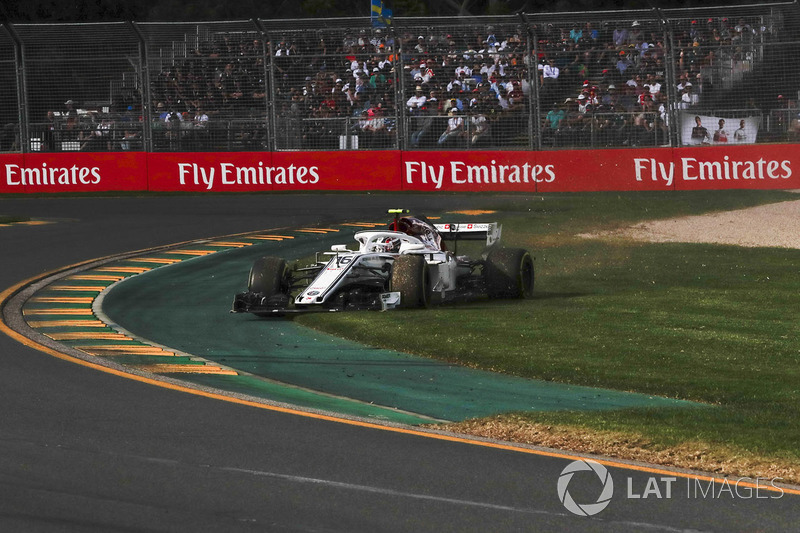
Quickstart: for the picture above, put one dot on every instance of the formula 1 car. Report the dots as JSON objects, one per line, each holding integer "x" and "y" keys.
{"x": 406, "y": 265}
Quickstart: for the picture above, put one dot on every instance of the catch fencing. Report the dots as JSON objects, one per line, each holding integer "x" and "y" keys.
{"x": 612, "y": 79}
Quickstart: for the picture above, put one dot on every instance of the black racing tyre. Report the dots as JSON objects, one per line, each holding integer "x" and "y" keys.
{"x": 509, "y": 273}
{"x": 411, "y": 278}
{"x": 269, "y": 276}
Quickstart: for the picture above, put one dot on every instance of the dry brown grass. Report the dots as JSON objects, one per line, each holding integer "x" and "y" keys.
{"x": 690, "y": 455}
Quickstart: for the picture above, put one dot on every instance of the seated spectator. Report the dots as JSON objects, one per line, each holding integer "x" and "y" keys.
{"x": 375, "y": 129}
{"x": 571, "y": 128}
{"x": 417, "y": 100}
{"x": 688, "y": 98}
{"x": 555, "y": 116}
{"x": 479, "y": 127}
{"x": 50, "y": 133}
{"x": 583, "y": 104}
{"x": 502, "y": 98}
{"x": 620, "y": 35}
{"x": 199, "y": 132}
{"x": 131, "y": 139}
{"x": 378, "y": 79}
{"x": 623, "y": 63}
{"x": 423, "y": 134}
{"x": 660, "y": 132}
{"x": 452, "y": 103}
{"x": 71, "y": 126}
{"x": 455, "y": 127}
{"x": 101, "y": 138}
{"x": 652, "y": 85}
{"x": 640, "y": 132}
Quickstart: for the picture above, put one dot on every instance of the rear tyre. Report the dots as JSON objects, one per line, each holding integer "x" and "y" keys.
{"x": 509, "y": 273}
{"x": 269, "y": 276}
{"x": 411, "y": 278}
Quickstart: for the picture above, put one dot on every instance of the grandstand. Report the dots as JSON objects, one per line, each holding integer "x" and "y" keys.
{"x": 612, "y": 79}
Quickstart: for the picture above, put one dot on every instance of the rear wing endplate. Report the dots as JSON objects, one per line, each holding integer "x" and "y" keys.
{"x": 471, "y": 232}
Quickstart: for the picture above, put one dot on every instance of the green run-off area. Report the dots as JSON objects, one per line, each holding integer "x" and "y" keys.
{"x": 185, "y": 306}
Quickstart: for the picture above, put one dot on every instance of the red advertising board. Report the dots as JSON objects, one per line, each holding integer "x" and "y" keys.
{"x": 346, "y": 171}
{"x": 610, "y": 170}
{"x": 73, "y": 172}
{"x": 767, "y": 166}
{"x": 10, "y": 163}
{"x": 210, "y": 172}
{"x": 554, "y": 171}
{"x": 274, "y": 171}
{"x": 648, "y": 169}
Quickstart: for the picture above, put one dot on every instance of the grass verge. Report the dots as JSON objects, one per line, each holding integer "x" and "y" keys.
{"x": 709, "y": 323}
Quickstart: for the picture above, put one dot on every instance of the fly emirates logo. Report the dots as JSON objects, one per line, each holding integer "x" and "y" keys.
{"x": 692, "y": 169}
{"x": 230, "y": 174}
{"x": 460, "y": 173}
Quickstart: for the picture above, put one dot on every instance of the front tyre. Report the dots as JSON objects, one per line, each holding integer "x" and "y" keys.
{"x": 269, "y": 276}
{"x": 411, "y": 278}
{"x": 509, "y": 273}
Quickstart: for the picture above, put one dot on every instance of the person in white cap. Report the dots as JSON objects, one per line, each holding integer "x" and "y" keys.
{"x": 417, "y": 100}
{"x": 455, "y": 126}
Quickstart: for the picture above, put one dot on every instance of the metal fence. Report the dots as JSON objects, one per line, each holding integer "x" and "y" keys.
{"x": 581, "y": 80}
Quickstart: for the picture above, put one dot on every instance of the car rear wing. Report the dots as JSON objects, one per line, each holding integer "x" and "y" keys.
{"x": 471, "y": 232}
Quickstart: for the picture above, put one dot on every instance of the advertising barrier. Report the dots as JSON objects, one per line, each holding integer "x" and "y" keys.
{"x": 73, "y": 172}
{"x": 651, "y": 169}
{"x": 274, "y": 171}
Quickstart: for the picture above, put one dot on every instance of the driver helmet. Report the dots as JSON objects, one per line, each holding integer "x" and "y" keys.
{"x": 389, "y": 245}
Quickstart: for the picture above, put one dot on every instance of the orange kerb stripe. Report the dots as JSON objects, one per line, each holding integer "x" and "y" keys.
{"x": 90, "y": 277}
{"x": 74, "y": 288}
{"x": 63, "y": 299}
{"x": 66, "y": 323}
{"x": 192, "y": 252}
{"x": 57, "y": 311}
{"x": 88, "y": 335}
{"x": 230, "y": 244}
{"x": 156, "y": 260}
{"x": 126, "y": 270}
{"x": 187, "y": 369}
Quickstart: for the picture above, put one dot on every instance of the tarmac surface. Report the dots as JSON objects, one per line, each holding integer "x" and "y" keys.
{"x": 82, "y": 450}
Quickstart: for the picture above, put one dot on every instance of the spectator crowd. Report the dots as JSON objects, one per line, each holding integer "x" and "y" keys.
{"x": 465, "y": 87}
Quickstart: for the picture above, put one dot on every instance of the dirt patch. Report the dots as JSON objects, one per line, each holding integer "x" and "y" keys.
{"x": 688, "y": 455}
{"x": 773, "y": 225}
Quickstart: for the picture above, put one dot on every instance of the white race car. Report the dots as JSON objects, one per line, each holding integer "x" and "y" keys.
{"x": 406, "y": 265}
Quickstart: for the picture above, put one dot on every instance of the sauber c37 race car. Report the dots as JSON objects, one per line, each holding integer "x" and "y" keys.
{"x": 407, "y": 265}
